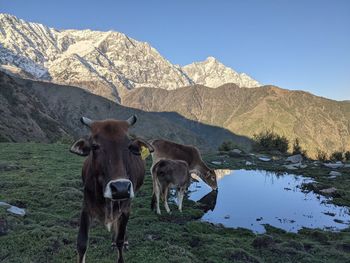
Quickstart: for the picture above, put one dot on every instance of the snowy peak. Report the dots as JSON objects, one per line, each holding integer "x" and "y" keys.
{"x": 213, "y": 73}
{"x": 108, "y": 64}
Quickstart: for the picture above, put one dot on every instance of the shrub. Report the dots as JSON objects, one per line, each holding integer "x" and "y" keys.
{"x": 321, "y": 155}
{"x": 297, "y": 149}
{"x": 336, "y": 156}
{"x": 227, "y": 146}
{"x": 347, "y": 155}
{"x": 269, "y": 141}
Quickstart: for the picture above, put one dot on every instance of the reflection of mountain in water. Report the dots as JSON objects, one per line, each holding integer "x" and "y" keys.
{"x": 220, "y": 173}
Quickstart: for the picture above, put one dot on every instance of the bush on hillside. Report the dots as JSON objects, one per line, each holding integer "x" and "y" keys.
{"x": 297, "y": 149}
{"x": 227, "y": 146}
{"x": 337, "y": 156}
{"x": 321, "y": 155}
{"x": 347, "y": 155}
{"x": 270, "y": 141}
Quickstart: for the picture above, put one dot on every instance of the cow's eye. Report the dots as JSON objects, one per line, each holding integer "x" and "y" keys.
{"x": 95, "y": 146}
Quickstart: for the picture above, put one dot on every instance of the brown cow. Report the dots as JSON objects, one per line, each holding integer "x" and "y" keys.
{"x": 166, "y": 174}
{"x": 164, "y": 149}
{"x": 112, "y": 173}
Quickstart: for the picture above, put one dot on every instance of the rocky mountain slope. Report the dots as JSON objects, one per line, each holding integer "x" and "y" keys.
{"x": 105, "y": 63}
{"x": 316, "y": 121}
{"x": 213, "y": 74}
{"x": 46, "y": 112}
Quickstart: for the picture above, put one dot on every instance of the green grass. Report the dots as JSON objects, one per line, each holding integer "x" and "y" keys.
{"x": 47, "y": 184}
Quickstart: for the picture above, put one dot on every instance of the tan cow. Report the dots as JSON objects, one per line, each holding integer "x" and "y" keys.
{"x": 166, "y": 174}
{"x": 164, "y": 149}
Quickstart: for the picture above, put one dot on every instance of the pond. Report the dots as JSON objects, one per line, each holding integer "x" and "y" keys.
{"x": 252, "y": 198}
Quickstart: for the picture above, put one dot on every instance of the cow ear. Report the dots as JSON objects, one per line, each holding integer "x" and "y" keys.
{"x": 81, "y": 147}
{"x": 140, "y": 147}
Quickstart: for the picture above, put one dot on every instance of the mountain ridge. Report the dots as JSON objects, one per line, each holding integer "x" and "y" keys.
{"x": 108, "y": 64}
{"x": 318, "y": 122}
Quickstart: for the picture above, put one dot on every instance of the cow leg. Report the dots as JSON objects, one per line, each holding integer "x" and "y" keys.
{"x": 115, "y": 228}
{"x": 180, "y": 196}
{"x": 165, "y": 197}
{"x": 83, "y": 236}
{"x": 123, "y": 221}
{"x": 157, "y": 193}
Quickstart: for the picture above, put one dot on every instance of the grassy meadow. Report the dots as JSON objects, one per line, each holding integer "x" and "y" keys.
{"x": 45, "y": 180}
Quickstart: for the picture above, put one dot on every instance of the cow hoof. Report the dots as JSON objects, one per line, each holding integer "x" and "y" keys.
{"x": 114, "y": 246}
{"x": 126, "y": 245}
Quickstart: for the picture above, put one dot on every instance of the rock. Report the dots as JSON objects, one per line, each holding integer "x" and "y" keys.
{"x": 236, "y": 151}
{"x": 334, "y": 165}
{"x": 295, "y": 166}
{"x": 329, "y": 191}
{"x": 265, "y": 159}
{"x": 248, "y": 163}
{"x": 290, "y": 167}
{"x": 216, "y": 162}
{"x": 16, "y": 210}
{"x": 347, "y": 165}
{"x": 4, "y": 204}
{"x": 298, "y": 158}
{"x": 334, "y": 173}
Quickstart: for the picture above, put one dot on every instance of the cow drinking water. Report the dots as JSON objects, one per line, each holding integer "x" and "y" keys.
{"x": 112, "y": 172}
{"x": 164, "y": 149}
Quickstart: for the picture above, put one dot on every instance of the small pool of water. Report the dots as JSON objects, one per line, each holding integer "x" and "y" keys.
{"x": 252, "y": 198}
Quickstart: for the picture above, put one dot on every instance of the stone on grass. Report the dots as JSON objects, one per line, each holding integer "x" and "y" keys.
{"x": 17, "y": 211}
{"x": 265, "y": 159}
{"x": 295, "y": 158}
{"x": 334, "y": 173}
{"x": 328, "y": 191}
{"x": 334, "y": 165}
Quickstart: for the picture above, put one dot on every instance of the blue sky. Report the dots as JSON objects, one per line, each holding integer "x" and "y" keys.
{"x": 299, "y": 44}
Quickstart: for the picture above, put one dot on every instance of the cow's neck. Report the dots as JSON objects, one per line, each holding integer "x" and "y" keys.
{"x": 199, "y": 170}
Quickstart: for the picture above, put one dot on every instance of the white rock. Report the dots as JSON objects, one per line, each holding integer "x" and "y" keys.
{"x": 290, "y": 167}
{"x": 331, "y": 190}
{"x": 4, "y": 204}
{"x": 334, "y": 165}
{"x": 16, "y": 210}
{"x": 295, "y": 158}
{"x": 334, "y": 173}
{"x": 248, "y": 163}
{"x": 264, "y": 159}
{"x": 236, "y": 151}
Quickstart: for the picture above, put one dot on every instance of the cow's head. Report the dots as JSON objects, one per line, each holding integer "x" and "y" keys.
{"x": 111, "y": 152}
{"x": 209, "y": 177}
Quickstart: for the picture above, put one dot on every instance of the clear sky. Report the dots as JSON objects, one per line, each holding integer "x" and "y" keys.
{"x": 294, "y": 44}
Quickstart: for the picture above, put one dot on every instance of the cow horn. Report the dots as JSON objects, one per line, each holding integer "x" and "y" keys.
{"x": 131, "y": 121}
{"x": 86, "y": 121}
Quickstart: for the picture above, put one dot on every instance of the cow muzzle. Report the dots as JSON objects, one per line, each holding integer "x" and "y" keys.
{"x": 119, "y": 189}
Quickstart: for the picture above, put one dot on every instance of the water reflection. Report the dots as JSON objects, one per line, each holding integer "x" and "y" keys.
{"x": 251, "y": 199}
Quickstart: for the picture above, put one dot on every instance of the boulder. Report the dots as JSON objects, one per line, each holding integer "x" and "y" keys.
{"x": 329, "y": 191}
{"x": 334, "y": 165}
{"x": 248, "y": 163}
{"x": 265, "y": 159}
{"x": 17, "y": 211}
{"x": 334, "y": 173}
{"x": 298, "y": 158}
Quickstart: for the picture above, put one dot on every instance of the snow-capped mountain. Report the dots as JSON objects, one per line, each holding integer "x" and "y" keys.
{"x": 105, "y": 63}
{"x": 212, "y": 73}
